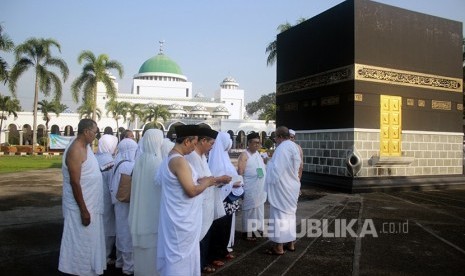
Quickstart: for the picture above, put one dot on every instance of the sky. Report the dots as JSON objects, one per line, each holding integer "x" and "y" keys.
{"x": 209, "y": 40}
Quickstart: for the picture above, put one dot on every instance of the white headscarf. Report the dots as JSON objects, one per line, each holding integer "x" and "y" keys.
{"x": 220, "y": 163}
{"x": 145, "y": 195}
{"x": 106, "y": 149}
{"x": 126, "y": 150}
{"x": 166, "y": 147}
{"x": 107, "y": 144}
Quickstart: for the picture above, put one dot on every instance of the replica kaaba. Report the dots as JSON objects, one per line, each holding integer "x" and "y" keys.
{"x": 374, "y": 93}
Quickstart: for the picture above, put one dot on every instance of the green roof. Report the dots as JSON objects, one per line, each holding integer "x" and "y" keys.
{"x": 161, "y": 64}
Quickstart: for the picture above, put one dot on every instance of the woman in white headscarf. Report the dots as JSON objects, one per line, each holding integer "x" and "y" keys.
{"x": 106, "y": 149}
{"x": 124, "y": 164}
{"x": 144, "y": 208}
{"x": 223, "y": 228}
{"x": 166, "y": 147}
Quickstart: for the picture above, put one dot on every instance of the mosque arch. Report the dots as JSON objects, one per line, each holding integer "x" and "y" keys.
{"x": 41, "y": 135}
{"x": 241, "y": 140}
{"x": 68, "y": 131}
{"x": 55, "y": 130}
{"x": 13, "y": 134}
{"x": 27, "y": 134}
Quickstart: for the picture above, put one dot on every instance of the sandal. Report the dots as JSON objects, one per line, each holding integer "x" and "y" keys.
{"x": 230, "y": 256}
{"x": 208, "y": 269}
{"x": 288, "y": 246}
{"x": 217, "y": 263}
{"x": 272, "y": 251}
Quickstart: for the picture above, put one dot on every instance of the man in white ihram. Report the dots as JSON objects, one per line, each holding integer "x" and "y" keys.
{"x": 282, "y": 185}
{"x": 82, "y": 250}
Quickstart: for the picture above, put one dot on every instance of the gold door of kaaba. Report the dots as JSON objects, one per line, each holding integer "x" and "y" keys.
{"x": 390, "y": 125}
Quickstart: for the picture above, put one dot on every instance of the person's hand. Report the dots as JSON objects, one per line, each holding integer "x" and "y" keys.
{"x": 208, "y": 180}
{"x": 85, "y": 218}
{"x": 237, "y": 184}
{"x": 224, "y": 179}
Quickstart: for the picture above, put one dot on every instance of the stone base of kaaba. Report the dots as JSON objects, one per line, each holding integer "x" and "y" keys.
{"x": 383, "y": 184}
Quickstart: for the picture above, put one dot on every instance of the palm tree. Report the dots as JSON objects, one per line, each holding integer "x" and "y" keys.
{"x": 135, "y": 111}
{"x": 269, "y": 113}
{"x": 48, "y": 107}
{"x": 271, "y": 49}
{"x": 36, "y": 53}
{"x": 153, "y": 112}
{"x": 118, "y": 110}
{"x": 8, "y": 106}
{"x": 87, "y": 111}
{"x": 95, "y": 70}
{"x": 6, "y": 45}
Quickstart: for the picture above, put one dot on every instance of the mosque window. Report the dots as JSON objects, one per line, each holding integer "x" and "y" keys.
{"x": 138, "y": 90}
{"x": 187, "y": 92}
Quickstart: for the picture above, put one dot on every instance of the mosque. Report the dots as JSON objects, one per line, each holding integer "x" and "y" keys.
{"x": 160, "y": 81}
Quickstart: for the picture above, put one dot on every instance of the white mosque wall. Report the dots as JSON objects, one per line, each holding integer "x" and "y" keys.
{"x": 233, "y": 100}
{"x": 162, "y": 89}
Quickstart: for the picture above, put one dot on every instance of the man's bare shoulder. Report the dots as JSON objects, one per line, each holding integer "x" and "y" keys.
{"x": 243, "y": 156}
{"x": 76, "y": 152}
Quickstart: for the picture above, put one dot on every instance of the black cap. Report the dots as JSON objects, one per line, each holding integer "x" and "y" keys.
{"x": 187, "y": 130}
{"x": 208, "y": 132}
{"x": 253, "y": 135}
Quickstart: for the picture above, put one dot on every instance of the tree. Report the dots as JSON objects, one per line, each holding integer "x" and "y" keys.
{"x": 261, "y": 104}
{"x": 95, "y": 70}
{"x": 269, "y": 113}
{"x": 36, "y": 53}
{"x": 8, "y": 106}
{"x": 6, "y": 45}
{"x": 153, "y": 112}
{"x": 271, "y": 49}
{"x": 118, "y": 110}
{"x": 48, "y": 107}
{"x": 87, "y": 111}
{"x": 134, "y": 111}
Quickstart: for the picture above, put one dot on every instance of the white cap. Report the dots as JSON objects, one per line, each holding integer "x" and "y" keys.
{"x": 292, "y": 132}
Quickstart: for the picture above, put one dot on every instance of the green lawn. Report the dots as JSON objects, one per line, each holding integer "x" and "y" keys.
{"x": 19, "y": 163}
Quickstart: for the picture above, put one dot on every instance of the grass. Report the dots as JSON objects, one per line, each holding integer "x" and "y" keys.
{"x": 20, "y": 163}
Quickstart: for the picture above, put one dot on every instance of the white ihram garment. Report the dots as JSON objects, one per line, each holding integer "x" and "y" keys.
{"x": 126, "y": 151}
{"x": 106, "y": 148}
{"x": 200, "y": 165}
{"x": 82, "y": 250}
{"x": 282, "y": 185}
{"x": 144, "y": 207}
{"x": 254, "y": 192}
{"x": 180, "y": 224}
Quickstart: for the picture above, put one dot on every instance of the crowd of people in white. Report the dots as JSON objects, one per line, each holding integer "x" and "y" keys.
{"x": 179, "y": 218}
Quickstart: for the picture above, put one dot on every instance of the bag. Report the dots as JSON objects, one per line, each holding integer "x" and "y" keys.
{"x": 124, "y": 188}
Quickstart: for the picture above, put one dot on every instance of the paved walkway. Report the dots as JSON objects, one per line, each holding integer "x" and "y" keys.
{"x": 402, "y": 233}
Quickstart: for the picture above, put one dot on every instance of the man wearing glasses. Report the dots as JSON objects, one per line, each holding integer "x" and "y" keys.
{"x": 252, "y": 168}
{"x": 82, "y": 249}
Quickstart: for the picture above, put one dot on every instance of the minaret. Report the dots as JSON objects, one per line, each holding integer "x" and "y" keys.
{"x": 161, "y": 42}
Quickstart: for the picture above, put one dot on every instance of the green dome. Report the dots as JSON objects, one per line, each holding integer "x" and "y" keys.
{"x": 161, "y": 64}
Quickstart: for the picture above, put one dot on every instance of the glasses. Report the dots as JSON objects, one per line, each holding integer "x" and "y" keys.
{"x": 93, "y": 132}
